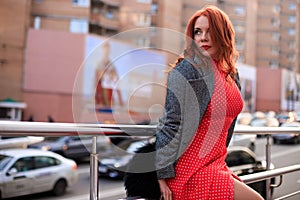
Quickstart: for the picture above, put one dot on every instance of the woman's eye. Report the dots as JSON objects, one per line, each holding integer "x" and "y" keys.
{"x": 197, "y": 32}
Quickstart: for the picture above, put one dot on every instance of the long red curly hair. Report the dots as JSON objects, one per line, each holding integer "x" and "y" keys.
{"x": 222, "y": 35}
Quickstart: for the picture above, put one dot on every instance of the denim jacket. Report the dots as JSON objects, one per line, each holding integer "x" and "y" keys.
{"x": 189, "y": 89}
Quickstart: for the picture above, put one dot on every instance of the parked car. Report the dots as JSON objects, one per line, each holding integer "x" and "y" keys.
{"x": 115, "y": 164}
{"x": 292, "y": 138}
{"x": 286, "y": 117}
{"x": 18, "y": 141}
{"x": 246, "y": 140}
{"x": 240, "y": 159}
{"x": 29, "y": 171}
{"x": 74, "y": 147}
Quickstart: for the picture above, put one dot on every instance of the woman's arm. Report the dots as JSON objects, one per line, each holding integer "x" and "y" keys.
{"x": 168, "y": 133}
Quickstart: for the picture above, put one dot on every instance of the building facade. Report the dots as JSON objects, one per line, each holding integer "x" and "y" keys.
{"x": 267, "y": 31}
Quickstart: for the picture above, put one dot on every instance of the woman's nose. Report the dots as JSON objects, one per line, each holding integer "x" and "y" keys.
{"x": 203, "y": 36}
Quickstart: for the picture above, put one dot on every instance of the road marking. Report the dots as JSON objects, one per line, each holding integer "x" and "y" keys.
{"x": 102, "y": 194}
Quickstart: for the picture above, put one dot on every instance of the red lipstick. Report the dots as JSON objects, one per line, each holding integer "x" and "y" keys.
{"x": 206, "y": 47}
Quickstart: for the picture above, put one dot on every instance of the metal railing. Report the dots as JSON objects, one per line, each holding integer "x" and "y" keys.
{"x": 12, "y": 128}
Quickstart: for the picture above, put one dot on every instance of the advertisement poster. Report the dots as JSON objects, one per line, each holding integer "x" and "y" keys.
{"x": 290, "y": 93}
{"x": 120, "y": 78}
{"x": 247, "y": 76}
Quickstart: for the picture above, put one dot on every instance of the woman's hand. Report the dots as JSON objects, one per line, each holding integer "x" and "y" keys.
{"x": 166, "y": 193}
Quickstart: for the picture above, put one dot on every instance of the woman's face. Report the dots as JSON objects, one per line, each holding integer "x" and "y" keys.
{"x": 202, "y": 36}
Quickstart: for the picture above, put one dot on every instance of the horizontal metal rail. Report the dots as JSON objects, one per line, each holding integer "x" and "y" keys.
{"x": 62, "y": 129}
{"x": 16, "y": 128}
{"x": 259, "y": 176}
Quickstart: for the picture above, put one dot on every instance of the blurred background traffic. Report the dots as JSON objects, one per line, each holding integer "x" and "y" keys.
{"x": 100, "y": 61}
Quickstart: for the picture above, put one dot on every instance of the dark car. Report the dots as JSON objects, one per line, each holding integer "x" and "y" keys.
{"x": 115, "y": 164}
{"x": 74, "y": 147}
{"x": 291, "y": 138}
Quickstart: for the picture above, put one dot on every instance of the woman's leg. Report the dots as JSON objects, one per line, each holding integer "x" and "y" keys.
{"x": 244, "y": 192}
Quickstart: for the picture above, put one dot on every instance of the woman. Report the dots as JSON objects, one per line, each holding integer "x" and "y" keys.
{"x": 202, "y": 103}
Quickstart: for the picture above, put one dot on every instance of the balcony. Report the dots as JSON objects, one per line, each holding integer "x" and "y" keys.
{"x": 105, "y": 22}
{"x": 115, "y": 3}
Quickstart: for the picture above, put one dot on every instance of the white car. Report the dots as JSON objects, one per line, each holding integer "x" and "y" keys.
{"x": 29, "y": 171}
{"x": 246, "y": 140}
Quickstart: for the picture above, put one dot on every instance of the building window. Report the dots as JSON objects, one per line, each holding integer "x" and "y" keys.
{"x": 275, "y": 50}
{"x": 143, "y": 20}
{"x": 239, "y": 10}
{"x": 142, "y": 42}
{"x": 276, "y": 8}
{"x": 291, "y": 57}
{"x": 275, "y": 22}
{"x": 37, "y": 22}
{"x": 239, "y": 29}
{"x": 274, "y": 64}
{"x": 292, "y": 19}
{"x": 292, "y": 6}
{"x": 109, "y": 15}
{"x": 239, "y": 44}
{"x": 292, "y": 45}
{"x": 79, "y": 26}
{"x": 143, "y": 1}
{"x": 81, "y": 3}
{"x": 276, "y": 36}
{"x": 291, "y": 31}
{"x": 241, "y": 59}
{"x": 154, "y": 8}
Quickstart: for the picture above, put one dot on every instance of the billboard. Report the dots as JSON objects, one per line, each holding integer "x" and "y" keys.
{"x": 247, "y": 76}
{"x": 117, "y": 77}
{"x": 290, "y": 90}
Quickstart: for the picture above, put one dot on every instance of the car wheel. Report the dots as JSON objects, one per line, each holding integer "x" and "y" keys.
{"x": 296, "y": 140}
{"x": 59, "y": 187}
{"x": 275, "y": 141}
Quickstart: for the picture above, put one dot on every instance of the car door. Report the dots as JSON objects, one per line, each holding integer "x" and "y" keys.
{"x": 45, "y": 173}
{"x": 20, "y": 183}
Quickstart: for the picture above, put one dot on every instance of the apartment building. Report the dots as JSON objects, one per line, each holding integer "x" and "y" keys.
{"x": 267, "y": 31}
{"x": 14, "y": 22}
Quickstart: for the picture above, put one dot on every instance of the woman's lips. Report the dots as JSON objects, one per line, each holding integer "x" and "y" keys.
{"x": 206, "y": 47}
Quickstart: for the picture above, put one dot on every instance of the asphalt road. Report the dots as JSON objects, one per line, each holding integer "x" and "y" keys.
{"x": 282, "y": 155}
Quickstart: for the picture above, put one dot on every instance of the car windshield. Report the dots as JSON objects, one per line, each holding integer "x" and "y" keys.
{"x": 4, "y": 160}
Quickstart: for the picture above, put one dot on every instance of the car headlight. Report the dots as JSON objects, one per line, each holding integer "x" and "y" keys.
{"x": 46, "y": 148}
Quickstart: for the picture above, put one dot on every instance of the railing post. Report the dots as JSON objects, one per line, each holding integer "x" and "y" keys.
{"x": 268, "y": 160}
{"x": 94, "y": 183}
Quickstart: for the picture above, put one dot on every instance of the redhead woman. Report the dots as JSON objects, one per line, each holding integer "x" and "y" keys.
{"x": 202, "y": 102}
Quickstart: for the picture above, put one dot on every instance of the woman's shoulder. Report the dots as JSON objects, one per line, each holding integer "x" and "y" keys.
{"x": 184, "y": 67}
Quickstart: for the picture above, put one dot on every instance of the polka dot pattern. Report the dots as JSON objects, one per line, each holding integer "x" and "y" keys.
{"x": 201, "y": 172}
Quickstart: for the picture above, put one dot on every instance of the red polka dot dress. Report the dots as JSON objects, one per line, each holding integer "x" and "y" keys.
{"x": 201, "y": 171}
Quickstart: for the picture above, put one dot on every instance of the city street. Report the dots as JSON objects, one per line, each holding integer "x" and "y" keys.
{"x": 282, "y": 155}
